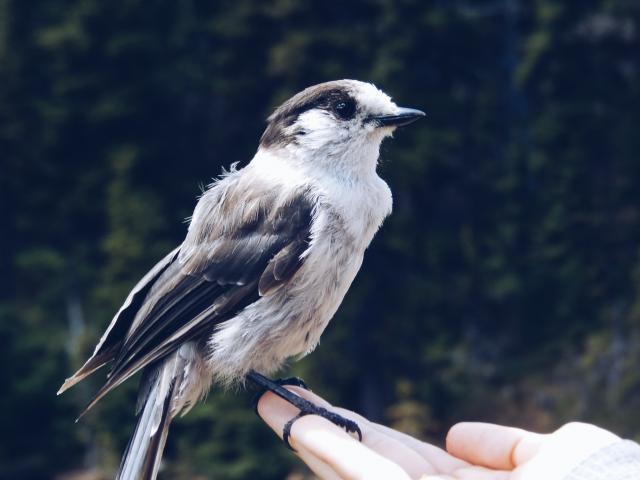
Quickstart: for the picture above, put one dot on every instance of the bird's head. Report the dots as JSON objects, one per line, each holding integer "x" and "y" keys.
{"x": 336, "y": 122}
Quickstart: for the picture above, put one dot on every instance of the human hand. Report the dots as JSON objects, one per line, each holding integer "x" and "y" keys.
{"x": 475, "y": 451}
{"x": 516, "y": 454}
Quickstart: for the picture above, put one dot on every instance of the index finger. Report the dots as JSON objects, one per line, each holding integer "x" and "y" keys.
{"x": 319, "y": 442}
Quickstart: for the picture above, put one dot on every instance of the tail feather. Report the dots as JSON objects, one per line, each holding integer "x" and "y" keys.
{"x": 152, "y": 461}
{"x": 141, "y": 459}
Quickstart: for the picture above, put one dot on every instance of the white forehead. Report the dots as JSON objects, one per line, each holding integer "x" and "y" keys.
{"x": 371, "y": 98}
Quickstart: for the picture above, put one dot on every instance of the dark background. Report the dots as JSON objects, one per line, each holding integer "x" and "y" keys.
{"x": 505, "y": 286}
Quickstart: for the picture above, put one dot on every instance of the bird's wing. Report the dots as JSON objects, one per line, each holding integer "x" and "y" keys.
{"x": 251, "y": 247}
{"x": 111, "y": 340}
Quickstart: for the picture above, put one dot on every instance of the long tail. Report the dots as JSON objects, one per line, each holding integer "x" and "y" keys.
{"x": 141, "y": 459}
{"x": 170, "y": 388}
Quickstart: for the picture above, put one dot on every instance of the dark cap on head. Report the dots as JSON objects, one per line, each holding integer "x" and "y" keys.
{"x": 328, "y": 95}
{"x": 343, "y": 100}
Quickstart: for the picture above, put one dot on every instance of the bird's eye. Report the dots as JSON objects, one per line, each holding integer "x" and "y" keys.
{"x": 345, "y": 109}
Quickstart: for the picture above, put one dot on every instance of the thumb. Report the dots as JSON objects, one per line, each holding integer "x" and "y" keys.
{"x": 492, "y": 446}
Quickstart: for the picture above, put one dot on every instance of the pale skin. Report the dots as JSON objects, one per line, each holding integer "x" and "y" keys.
{"x": 474, "y": 451}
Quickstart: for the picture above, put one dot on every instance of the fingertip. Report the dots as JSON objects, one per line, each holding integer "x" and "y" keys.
{"x": 490, "y": 445}
{"x": 457, "y": 435}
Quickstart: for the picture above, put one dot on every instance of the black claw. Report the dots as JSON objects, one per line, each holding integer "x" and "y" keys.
{"x": 293, "y": 381}
{"x": 348, "y": 425}
{"x": 352, "y": 427}
{"x": 286, "y": 430}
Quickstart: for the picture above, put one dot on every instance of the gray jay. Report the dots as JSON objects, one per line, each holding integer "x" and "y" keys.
{"x": 271, "y": 251}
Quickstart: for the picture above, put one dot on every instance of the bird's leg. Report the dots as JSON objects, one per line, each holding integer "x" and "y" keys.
{"x": 294, "y": 381}
{"x": 305, "y": 406}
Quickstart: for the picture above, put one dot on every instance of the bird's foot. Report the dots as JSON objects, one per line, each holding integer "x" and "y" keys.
{"x": 302, "y": 404}
{"x": 293, "y": 381}
{"x": 349, "y": 425}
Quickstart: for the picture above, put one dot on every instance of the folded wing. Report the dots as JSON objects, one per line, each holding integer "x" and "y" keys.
{"x": 240, "y": 246}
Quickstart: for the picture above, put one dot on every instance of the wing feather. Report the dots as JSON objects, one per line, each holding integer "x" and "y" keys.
{"x": 111, "y": 340}
{"x": 249, "y": 252}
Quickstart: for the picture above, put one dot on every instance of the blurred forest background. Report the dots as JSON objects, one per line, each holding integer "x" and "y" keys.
{"x": 505, "y": 287}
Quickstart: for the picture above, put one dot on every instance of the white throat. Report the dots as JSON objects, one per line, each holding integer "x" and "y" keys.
{"x": 347, "y": 183}
{"x": 346, "y": 162}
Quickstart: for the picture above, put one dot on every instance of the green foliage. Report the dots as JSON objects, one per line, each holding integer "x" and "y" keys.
{"x": 504, "y": 287}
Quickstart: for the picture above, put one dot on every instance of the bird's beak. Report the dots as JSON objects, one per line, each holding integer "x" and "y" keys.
{"x": 404, "y": 116}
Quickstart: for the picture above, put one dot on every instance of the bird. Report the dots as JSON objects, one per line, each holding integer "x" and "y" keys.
{"x": 269, "y": 254}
